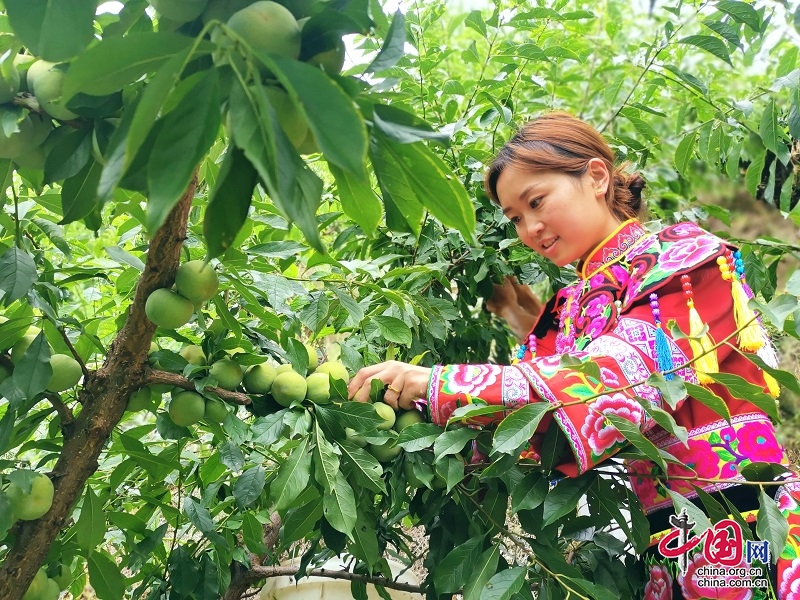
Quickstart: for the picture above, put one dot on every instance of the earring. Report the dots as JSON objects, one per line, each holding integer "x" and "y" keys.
{"x": 599, "y": 190}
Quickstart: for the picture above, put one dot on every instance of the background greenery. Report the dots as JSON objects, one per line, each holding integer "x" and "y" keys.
{"x": 384, "y": 243}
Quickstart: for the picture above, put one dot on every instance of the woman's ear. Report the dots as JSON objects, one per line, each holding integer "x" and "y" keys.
{"x": 597, "y": 171}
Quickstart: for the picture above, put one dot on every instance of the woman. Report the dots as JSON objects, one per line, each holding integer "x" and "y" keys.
{"x": 556, "y": 182}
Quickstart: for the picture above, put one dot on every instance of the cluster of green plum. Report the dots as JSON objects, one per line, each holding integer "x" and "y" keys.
{"x": 195, "y": 282}
{"x": 30, "y": 501}
{"x": 67, "y": 371}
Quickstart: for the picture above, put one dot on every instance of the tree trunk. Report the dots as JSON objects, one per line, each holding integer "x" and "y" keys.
{"x": 103, "y": 397}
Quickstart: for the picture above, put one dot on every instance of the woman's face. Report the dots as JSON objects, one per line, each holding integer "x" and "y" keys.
{"x": 559, "y": 216}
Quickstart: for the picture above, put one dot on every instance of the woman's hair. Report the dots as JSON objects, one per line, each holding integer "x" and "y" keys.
{"x": 559, "y": 141}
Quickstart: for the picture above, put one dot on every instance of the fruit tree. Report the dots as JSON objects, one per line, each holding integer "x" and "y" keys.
{"x": 216, "y": 211}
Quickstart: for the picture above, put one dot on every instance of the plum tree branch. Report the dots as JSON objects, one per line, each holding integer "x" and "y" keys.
{"x": 174, "y": 379}
{"x": 104, "y": 398}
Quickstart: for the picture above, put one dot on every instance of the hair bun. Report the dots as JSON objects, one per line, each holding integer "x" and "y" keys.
{"x": 636, "y": 184}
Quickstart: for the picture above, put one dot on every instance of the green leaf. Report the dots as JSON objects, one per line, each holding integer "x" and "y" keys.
{"x": 770, "y": 129}
{"x": 338, "y": 501}
{"x": 33, "y": 372}
{"x": 741, "y": 12}
{"x": 419, "y": 436}
{"x": 356, "y": 415}
{"x": 105, "y": 576}
{"x": 696, "y": 514}
{"x": 404, "y": 127}
{"x": 530, "y": 492}
{"x": 231, "y": 455}
{"x": 453, "y": 441}
{"x": 564, "y": 498}
{"x": 230, "y": 201}
{"x": 337, "y": 127}
{"x": 79, "y": 193}
{"x": 187, "y": 134}
{"x": 786, "y": 379}
{"x": 635, "y": 437}
{"x": 683, "y": 153}
{"x": 253, "y": 534}
{"x": 249, "y": 485}
{"x": 475, "y": 21}
{"x": 483, "y": 572}
{"x": 465, "y": 413}
{"x": 778, "y": 309}
{"x": 393, "y": 329}
{"x": 744, "y": 390}
{"x": 365, "y": 540}
{"x": 118, "y": 61}
{"x": 124, "y": 257}
{"x": 300, "y": 522}
{"x": 771, "y": 525}
{"x": 455, "y": 569}
{"x": 710, "y": 399}
{"x": 199, "y": 516}
{"x": 393, "y": 46}
{"x": 366, "y": 468}
{"x": 17, "y": 274}
{"x": 293, "y": 476}
{"x": 52, "y": 30}
{"x": 91, "y": 525}
{"x": 503, "y": 585}
{"x": 358, "y": 200}
{"x": 208, "y": 584}
{"x": 183, "y": 571}
{"x": 666, "y": 420}
{"x": 710, "y": 44}
{"x": 292, "y": 186}
{"x": 55, "y": 234}
{"x": 518, "y": 427}
{"x": 268, "y": 430}
{"x": 595, "y": 591}
{"x": 68, "y": 155}
{"x": 414, "y": 175}
{"x": 752, "y": 178}
{"x": 588, "y": 367}
{"x": 672, "y": 390}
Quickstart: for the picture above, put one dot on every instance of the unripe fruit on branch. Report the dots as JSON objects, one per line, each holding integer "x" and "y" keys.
{"x": 335, "y": 369}
{"x": 193, "y": 354}
{"x": 34, "y": 504}
{"x": 385, "y": 452}
{"x": 289, "y": 387}
{"x": 37, "y": 586}
{"x": 167, "y": 309}
{"x": 45, "y": 80}
{"x": 387, "y": 413}
{"x": 196, "y": 281}
{"x": 187, "y": 408}
{"x": 9, "y": 85}
{"x": 67, "y": 373}
{"x": 407, "y": 418}
{"x": 227, "y": 373}
{"x": 258, "y": 378}
{"x": 268, "y": 27}
{"x": 313, "y": 358}
{"x": 33, "y": 130}
{"x": 319, "y": 388}
{"x": 140, "y": 399}
{"x": 216, "y": 410}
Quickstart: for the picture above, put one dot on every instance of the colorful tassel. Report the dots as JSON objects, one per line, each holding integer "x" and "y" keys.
{"x": 702, "y": 347}
{"x": 772, "y": 385}
{"x": 530, "y": 346}
{"x": 751, "y": 334}
{"x": 663, "y": 351}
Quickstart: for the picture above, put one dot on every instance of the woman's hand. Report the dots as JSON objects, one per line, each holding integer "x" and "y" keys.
{"x": 405, "y": 382}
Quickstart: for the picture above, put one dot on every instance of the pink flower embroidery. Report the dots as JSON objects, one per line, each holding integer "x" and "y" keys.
{"x": 789, "y": 585}
{"x": 469, "y": 379}
{"x": 687, "y": 253}
{"x": 595, "y": 328}
{"x": 699, "y": 456}
{"x": 602, "y": 436}
{"x": 643, "y": 486}
{"x": 596, "y": 306}
{"x": 620, "y": 274}
{"x": 609, "y": 377}
{"x": 692, "y": 590}
{"x": 757, "y": 442}
{"x": 786, "y": 502}
{"x": 659, "y": 587}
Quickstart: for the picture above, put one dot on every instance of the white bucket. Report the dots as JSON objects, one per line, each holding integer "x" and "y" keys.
{"x": 325, "y": 588}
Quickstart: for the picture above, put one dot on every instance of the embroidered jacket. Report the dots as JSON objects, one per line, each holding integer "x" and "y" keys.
{"x": 632, "y": 283}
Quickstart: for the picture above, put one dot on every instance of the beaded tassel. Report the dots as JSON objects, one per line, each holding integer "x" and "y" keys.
{"x": 702, "y": 347}
{"x": 751, "y": 334}
{"x": 663, "y": 351}
{"x": 531, "y": 345}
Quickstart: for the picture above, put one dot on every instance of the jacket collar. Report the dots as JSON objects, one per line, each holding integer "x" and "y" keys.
{"x": 612, "y": 249}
